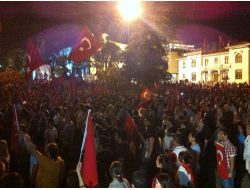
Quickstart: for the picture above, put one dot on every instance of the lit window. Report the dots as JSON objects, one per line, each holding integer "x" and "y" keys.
{"x": 226, "y": 59}
{"x": 216, "y": 60}
{"x": 193, "y": 63}
{"x": 193, "y": 76}
{"x": 238, "y": 58}
{"x": 238, "y": 74}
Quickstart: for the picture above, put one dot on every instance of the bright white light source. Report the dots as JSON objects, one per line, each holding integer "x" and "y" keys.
{"x": 130, "y": 9}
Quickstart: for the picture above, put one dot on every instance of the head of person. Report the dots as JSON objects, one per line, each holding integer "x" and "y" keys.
{"x": 223, "y": 134}
{"x": 192, "y": 136}
{"x": 116, "y": 170}
{"x": 13, "y": 180}
{"x": 162, "y": 162}
{"x": 185, "y": 157}
{"x": 139, "y": 180}
{"x": 72, "y": 180}
{"x": 163, "y": 180}
{"x": 52, "y": 150}
{"x": 178, "y": 140}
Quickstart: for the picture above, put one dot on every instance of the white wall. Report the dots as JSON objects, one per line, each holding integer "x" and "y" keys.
{"x": 244, "y": 65}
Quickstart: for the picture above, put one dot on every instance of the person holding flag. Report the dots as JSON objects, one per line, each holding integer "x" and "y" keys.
{"x": 226, "y": 153}
{"x": 86, "y": 167}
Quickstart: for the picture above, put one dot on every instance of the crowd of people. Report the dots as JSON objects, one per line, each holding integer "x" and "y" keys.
{"x": 176, "y": 128}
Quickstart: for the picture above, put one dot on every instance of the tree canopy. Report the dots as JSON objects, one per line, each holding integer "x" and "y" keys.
{"x": 144, "y": 58}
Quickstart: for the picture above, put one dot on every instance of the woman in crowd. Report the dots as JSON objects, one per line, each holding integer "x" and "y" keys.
{"x": 117, "y": 173}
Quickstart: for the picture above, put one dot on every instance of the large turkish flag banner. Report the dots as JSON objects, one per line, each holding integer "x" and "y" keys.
{"x": 86, "y": 47}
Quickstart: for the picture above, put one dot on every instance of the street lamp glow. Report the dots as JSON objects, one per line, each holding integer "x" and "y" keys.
{"x": 130, "y": 10}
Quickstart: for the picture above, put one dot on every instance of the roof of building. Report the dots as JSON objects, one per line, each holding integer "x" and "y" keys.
{"x": 209, "y": 52}
{"x": 218, "y": 51}
{"x": 192, "y": 52}
{"x": 244, "y": 43}
{"x": 180, "y": 58}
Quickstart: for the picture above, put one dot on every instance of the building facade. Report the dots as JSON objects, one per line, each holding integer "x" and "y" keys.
{"x": 174, "y": 50}
{"x": 231, "y": 64}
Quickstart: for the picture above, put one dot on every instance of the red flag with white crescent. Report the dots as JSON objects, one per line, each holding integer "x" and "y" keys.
{"x": 221, "y": 161}
{"x": 86, "y": 47}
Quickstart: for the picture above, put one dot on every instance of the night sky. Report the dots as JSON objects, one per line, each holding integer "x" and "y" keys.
{"x": 191, "y": 22}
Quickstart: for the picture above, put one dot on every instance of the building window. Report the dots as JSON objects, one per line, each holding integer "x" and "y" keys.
{"x": 216, "y": 60}
{"x": 226, "y": 59}
{"x": 184, "y": 76}
{"x": 238, "y": 74}
{"x": 193, "y": 76}
{"x": 184, "y": 65}
{"x": 206, "y": 62}
{"x": 238, "y": 58}
{"x": 193, "y": 63}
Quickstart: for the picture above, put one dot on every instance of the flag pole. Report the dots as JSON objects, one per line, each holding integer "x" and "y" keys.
{"x": 85, "y": 135}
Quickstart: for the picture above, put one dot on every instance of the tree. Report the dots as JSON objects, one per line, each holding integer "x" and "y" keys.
{"x": 144, "y": 58}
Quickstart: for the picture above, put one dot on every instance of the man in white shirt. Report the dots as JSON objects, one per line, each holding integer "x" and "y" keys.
{"x": 178, "y": 147}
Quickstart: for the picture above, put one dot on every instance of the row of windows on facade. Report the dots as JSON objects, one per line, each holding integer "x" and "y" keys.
{"x": 238, "y": 59}
{"x": 238, "y": 75}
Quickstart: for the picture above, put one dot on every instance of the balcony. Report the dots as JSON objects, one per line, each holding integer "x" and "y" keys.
{"x": 215, "y": 67}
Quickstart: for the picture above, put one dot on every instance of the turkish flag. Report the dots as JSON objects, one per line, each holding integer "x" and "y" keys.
{"x": 141, "y": 106}
{"x": 34, "y": 58}
{"x": 221, "y": 161}
{"x": 89, "y": 168}
{"x": 87, "y": 47}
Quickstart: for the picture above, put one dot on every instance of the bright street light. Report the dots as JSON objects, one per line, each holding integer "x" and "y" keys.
{"x": 130, "y": 9}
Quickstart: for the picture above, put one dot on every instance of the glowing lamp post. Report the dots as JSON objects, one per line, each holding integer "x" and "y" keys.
{"x": 130, "y": 10}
